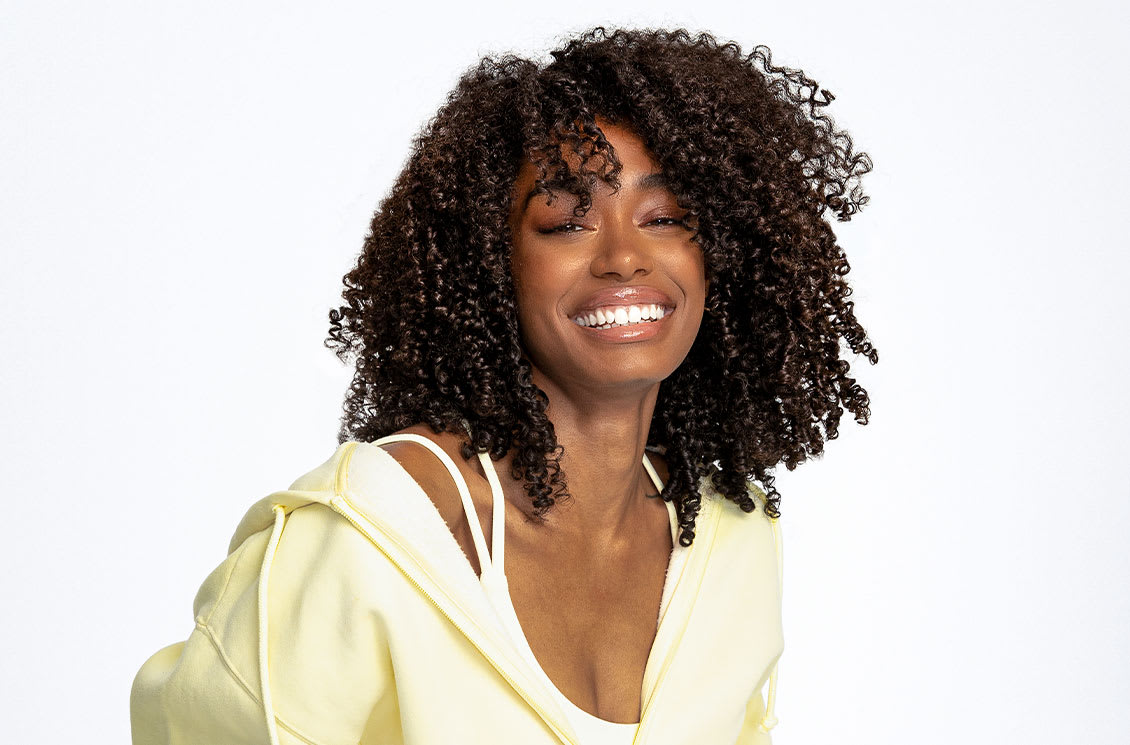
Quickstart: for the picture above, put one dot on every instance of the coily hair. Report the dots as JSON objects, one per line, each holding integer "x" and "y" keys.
{"x": 430, "y": 319}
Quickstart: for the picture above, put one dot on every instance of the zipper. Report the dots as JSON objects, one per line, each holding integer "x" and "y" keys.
{"x": 662, "y": 676}
{"x": 347, "y": 510}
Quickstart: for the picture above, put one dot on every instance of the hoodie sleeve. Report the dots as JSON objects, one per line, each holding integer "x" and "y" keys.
{"x": 324, "y": 654}
{"x": 191, "y": 691}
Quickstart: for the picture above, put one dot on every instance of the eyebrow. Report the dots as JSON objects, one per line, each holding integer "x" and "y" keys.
{"x": 647, "y": 182}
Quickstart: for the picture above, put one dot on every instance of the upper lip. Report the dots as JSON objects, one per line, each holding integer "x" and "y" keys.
{"x": 629, "y": 295}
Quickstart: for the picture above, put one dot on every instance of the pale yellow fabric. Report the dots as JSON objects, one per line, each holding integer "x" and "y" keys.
{"x": 378, "y": 632}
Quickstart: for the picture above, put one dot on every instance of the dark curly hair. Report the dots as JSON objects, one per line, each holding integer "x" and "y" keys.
{"x": 430, "y": 316}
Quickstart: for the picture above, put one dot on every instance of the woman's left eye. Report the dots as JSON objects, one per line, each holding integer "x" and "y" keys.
{"x": 672, "y": 221}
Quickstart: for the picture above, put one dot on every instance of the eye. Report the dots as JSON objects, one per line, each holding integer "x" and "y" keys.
{"x": 565, "y": 227}
{"x": 672, "y": 221}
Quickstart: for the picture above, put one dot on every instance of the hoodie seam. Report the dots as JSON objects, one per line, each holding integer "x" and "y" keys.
{"x": 208, "y": 633}
{"x": 227, "y": 581}
{"x": 341, "y": 477}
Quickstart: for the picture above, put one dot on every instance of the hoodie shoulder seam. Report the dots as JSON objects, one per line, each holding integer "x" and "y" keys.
{"x": 227, "y": 581}
{"x": 206, "y": 630}
{"x": 341, "y": 474}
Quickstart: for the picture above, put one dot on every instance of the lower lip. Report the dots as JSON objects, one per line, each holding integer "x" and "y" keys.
{"x": 631, "y": 332}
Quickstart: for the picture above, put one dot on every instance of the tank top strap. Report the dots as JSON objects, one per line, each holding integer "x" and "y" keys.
{"x": 498, "y": 514}
{"x": 498, "y": 509}
{"x": 672, "y": 513}
{"x": 652, "y": 472}
{"x": 460, "y": 484}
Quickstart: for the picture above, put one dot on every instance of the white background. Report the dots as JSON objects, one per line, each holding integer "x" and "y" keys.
{"x": 183, "y": 186}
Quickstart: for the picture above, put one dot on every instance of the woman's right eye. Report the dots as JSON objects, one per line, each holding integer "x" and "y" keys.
{"x": 565, "y": 227}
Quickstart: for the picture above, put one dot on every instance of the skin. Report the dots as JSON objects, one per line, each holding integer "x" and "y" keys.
{"x": 587, "y": 583}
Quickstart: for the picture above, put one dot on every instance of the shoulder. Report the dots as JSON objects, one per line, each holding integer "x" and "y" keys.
{"x": 429, "y": 471}
{"x": 755, "y": 528}
{"x": 437, "y": 481}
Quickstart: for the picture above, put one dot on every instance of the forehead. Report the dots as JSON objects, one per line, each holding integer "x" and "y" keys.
{"x": 639, "y": 168}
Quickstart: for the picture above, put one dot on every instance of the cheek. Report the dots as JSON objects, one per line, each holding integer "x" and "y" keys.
{"x": 522, "y": 279}
{"x": 546, "y": 277}
{"x": 534, "y": 287}
{"x": 694, "y": 270}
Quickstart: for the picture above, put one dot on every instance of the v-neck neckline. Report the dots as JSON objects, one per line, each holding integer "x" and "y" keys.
{"x": 496, "y": 560}
{"x": 420, "y": 543}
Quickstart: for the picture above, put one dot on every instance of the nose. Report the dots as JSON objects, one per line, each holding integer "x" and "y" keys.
{"x": 621, "y": 253}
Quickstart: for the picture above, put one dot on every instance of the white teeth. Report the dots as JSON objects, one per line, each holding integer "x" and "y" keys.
{"x": 620, "y": 315}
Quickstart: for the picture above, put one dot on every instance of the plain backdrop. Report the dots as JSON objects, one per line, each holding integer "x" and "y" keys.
{"x": 182, "y": 187}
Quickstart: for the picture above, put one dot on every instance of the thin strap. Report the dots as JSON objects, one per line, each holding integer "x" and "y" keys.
{"x": 498, "y": 511}
{"x": 498, "y": 527}
{"x": 498, "y": 524}
{"x": 460, "y": 484}
{"x": 651, "y": 472}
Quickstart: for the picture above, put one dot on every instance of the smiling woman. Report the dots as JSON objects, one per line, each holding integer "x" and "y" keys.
{"x": 599, "y": 304}
{"x": 628, "y": 272}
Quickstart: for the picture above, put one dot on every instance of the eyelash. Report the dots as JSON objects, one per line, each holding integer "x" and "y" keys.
{"x": 559, "y": 228}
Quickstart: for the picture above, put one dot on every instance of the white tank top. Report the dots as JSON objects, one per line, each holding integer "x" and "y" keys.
{"x": 591, "y": 729}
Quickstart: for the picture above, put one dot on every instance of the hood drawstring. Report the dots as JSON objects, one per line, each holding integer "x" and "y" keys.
{"x": 769, "y": 721}
{"x": 264, "y": 671}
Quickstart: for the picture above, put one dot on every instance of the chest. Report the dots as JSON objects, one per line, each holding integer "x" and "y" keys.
{"x": 590, "y": 619}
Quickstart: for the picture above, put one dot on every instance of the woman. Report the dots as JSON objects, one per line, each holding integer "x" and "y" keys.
{"x": 596, "y": 282}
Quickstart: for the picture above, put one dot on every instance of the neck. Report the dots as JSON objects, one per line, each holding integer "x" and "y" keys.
{"x": 603, "y": 434}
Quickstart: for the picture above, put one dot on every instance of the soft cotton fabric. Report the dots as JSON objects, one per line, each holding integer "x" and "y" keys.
{"x": 346, "y": 612}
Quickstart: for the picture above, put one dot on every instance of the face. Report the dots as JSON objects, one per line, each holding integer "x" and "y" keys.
{"x": 615, "y": 298}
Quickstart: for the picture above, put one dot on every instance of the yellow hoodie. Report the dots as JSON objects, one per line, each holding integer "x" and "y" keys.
{"x": 376, "y": 631}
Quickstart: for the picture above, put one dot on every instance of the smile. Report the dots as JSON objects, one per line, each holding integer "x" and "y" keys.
{"x": 613, "y": 316}
{"x": 624, "y": 323}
